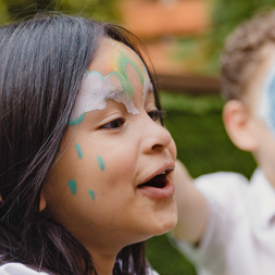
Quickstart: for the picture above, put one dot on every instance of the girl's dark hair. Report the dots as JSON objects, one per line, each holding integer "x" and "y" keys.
{"x": 43, "y": 61}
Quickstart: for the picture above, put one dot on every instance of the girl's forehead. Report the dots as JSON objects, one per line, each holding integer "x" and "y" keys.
{"x": 115, "y": 73}
{"x": 111, "y": 54}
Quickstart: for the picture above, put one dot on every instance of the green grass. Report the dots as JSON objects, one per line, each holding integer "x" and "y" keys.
{"x": 203, "y": 146}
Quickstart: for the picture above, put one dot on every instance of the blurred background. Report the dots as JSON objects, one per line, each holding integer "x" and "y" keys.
{"x": 183, "y": 39}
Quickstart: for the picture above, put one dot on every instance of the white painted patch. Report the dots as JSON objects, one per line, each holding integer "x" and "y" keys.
{"x": 94, "y": 92}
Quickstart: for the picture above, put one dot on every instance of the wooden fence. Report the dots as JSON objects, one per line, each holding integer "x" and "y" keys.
{"x": 195, "y": 85}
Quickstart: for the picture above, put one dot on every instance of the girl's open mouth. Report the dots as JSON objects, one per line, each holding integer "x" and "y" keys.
{"x": 159, "y": 181}
{"x": 159, "y": 187}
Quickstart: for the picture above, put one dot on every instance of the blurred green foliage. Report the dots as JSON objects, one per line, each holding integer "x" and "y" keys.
{"x": 202, "y": 143}
{"x": 197, "y": 54}
{"x": 201, "y": 53}
{"x": 199, "y": 105}
{"x": 165, "y": 259}
{"x": 204, "y": 147}
{"x": 226, "y": 15}
{"x": 102, "y": 10}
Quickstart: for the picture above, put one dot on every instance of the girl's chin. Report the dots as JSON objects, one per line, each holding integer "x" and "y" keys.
{"x": 167, "y": 222}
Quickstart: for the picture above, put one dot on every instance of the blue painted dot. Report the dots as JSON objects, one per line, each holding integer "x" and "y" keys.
{"x": 72, "y": 186}
{"x": 79, "y": 151}
{"x": 101, "y": 163}
{"x": 92, "y": 194}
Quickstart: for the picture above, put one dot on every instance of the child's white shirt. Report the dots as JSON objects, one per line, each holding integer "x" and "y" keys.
{"x": 20, "y": 269}
{"x": 240, "y": 235}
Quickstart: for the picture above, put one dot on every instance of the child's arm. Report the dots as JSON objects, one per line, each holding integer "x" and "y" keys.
{"x": 192, "y": 207}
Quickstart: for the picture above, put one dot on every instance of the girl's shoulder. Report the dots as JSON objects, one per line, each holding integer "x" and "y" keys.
{"x": 18, "y": 268}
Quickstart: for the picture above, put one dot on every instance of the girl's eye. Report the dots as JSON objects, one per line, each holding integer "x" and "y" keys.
{"x": 117, "y": 123}
{"x": 157, "y": 115}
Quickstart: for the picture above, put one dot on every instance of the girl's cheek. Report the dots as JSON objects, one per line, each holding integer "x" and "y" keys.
{"x": 80, "y": 158}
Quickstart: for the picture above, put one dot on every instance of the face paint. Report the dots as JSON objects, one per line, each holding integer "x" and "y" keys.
{"x": 92, "y": 194}
{"x": 267, "y": 102}
{"x": 96, "y": 88}
{"x": 94, "y": 92}
{"x": 140, "y": 69}
{"x": 101, "y": 163}
{"x": 117, "y": 63}
{"x": 72, "y": 186}
{"x": 77, "y": 120}
{"x": 78, "y": 150}
{"x": 120, "y": 61}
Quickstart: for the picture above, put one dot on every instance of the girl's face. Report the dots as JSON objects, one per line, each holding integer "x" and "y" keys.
{"x": 97, "y": 187}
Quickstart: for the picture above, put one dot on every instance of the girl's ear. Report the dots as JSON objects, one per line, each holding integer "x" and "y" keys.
{"x": 238, "y": 122}
{"x": 42, "y": 202}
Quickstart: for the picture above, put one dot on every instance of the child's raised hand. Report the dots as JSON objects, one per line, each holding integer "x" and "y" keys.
{"x": 192, "y": 207}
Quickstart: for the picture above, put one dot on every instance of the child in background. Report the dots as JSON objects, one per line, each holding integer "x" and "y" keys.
{"x": 86, "y": 167}
{"x": 226, "y": 225}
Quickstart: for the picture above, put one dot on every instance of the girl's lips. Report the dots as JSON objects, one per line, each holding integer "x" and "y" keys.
{"x": 158, "y": 193}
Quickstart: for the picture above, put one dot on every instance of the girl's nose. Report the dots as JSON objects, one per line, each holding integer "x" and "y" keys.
{"x": 156, "y": 137}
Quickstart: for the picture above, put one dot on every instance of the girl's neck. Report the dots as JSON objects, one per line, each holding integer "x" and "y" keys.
{"x": 104, "y": 264}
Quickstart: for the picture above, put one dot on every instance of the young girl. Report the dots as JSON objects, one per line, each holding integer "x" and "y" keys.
{"x": 86, "y": 167}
